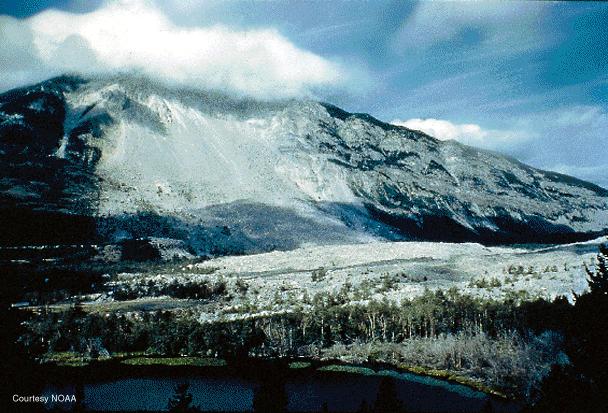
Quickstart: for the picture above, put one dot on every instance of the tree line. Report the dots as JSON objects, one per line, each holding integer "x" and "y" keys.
{"x": 457, "y": 332}
{"x": 332, "y": 320}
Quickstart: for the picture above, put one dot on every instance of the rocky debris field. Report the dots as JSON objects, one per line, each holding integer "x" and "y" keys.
{"x": 228, "y": 288}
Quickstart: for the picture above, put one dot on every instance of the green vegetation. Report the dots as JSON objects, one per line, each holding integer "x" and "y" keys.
{"x": 507, "y": 346}
{"x": 319, "y": 274}
{"x": 300, "y": 365}
{"x": 580, "y": 385}
{"x": 447, "y": 375}
{"x": 341, "y": 368}
{"x": 175, "y": 361}
{"x": 66, "y": 358}
{"x": 503, "y": 345}
{"x": 483, "y": 283}
{"x": 203, "y": 289}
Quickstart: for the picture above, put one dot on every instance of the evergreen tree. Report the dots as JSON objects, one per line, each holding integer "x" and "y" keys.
{"x": 364, "y": 407}
{"x": 588, "y": 332}
{"x": 79, "y": 393}
{"x": 387, "y": 401}
{"x": 581, "y": 386}
{"x": 181, "y": 400}
{"x": 564, "y": 390}
{"x": 271, "y": 397}
{"x": 487, "y": 407}
{"x": 598, "y": 278}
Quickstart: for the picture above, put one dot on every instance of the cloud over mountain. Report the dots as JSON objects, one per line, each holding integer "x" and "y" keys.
{"x": 136, "y": 36}
{"x": 567, "y": 140}
{"x": 467, "y": 133}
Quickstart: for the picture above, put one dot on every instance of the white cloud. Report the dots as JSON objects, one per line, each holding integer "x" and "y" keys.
{"x": 137, "y": 36}
{"x": 467, "y": 133}
{"x": 570, "y": 140}
{"x": 443, "y": 129}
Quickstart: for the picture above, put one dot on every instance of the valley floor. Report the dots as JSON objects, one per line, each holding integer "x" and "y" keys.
{"x": 277, "y": 281}
{"x": 484, "y": 316}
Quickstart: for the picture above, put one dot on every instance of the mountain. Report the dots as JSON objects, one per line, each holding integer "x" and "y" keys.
{"x": 115, "y": 158}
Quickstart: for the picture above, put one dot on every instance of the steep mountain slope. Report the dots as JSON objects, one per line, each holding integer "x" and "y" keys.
{"x": 114, "y": 158}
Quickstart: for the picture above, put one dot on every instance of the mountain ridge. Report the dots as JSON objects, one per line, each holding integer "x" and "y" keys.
{"x": 127, "y": 158}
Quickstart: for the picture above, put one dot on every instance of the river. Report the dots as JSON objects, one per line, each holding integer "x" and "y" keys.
{"x": 231, "y": 390}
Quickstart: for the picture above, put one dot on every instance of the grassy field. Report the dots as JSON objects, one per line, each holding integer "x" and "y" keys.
{"x": 175, "y": 361}
{"x": 71, "y": 359}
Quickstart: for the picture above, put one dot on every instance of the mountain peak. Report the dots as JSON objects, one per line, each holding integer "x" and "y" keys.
{"x": 134, "y": 159}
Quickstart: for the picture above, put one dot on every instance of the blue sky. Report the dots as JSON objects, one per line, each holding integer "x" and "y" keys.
{"x": 527, "y": 79}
